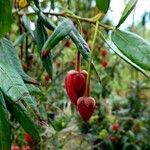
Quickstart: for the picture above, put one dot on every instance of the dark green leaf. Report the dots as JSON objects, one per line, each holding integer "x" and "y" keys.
{"x": 5, "y": 142}
{"x": 41, "y": 36}
{"x": 8, "y": 55}
{"x": 46, "y": 22}
{"x": 27, "y": 24}
{"x": 5, "y": 16}
{"x": 60, "y": 32}
{"x": 103, "y": 5}
{"x": 48, "y": 64}
{"x": 13, "y": 86}
{"x": 133, "y": 47}
{"x": 80, "y": 43}
{"x": 129, "y": 7}
{"x": 23, "y": 117}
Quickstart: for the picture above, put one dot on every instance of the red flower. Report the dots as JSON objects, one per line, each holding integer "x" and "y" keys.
{"x": 15, "y": 147}
{"x": 86, "y": 107}
{"x": 115, "y": 127}
{"x": 103, "y": 52}
{"x": 47, "y": 77}
{"x": 104, "y": 63}
{"x": 113, "y": 139}
{"x": 75, "y": 84}
{"x": 26, "y": 148}
{"x": 28, "y": 137}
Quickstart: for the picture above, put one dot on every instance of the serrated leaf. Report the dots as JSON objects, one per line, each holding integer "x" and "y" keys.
{"x": 41, "y": 36}
{"x": 5, "y": 22}
{"x": 27, "y": 24}
{"x": 23, "y": 117}
{"x": 133, "y": 47}
{"x": 13, "y": 86}
{"x": 103, "y": 5}
{"x": 60, "y": 32}
{"x": 129, "y": 7}
{"x": 8, "y": 55}
{"x": 5, "y": 142}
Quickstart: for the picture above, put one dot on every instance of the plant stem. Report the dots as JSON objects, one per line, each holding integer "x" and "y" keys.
{"x": 87, "y": 91}
{"x": 78, "y": 60}
{"x": 70, "y": 15}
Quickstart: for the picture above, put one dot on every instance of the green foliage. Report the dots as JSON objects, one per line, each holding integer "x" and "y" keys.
{"x": 129, "y": 7}
{"x": 133, "y": 47}
{"x": 5, "y": 143}
{"x": 5, "y": 22}
{"x": 103, "y": 5}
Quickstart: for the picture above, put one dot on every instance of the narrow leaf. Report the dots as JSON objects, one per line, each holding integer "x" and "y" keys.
{"x": 129, "y": 7}
{"x": 41, "y": 36}
{"x": 23, "y": 117}
{"x": 46, "y": 22}
{"x": 27, "y": 24}
{"x": 103, "y": 5}
{"x": 48, "y": 64}
{"x": 80, "y": 43}
{"x": 5, "y": 16}
{"x": 133, "y": 47}
{"x": 5, "y": 142}
{"x": 60, "y": 32}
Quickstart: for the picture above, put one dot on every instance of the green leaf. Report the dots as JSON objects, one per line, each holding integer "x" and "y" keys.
{"x": 103, "y": 5}
{"x": 5, "y": 142}
{"x": 8, "y": 55}
{"x": 5, "y": 16}
{"x": 60, "y": 32}
{"x": 48, "y": 64}
{"x": 13, "y": 86}
{"x": 27, "y": 24}
{"x": 129, "y": 7}
{"x": 119, "y": 53}
{"x": 80, "y": 43}
{"x": 41, "y": 36}
{"x": 23, "y": 117}
{"x": 46, "y": 22}
{"x": 133, "y": 47}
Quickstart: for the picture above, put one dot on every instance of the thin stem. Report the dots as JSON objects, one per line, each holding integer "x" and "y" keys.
{"x": 78, "y": 60}
{"x": 70, "y": 15}
{"x": 87, "y": 91}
